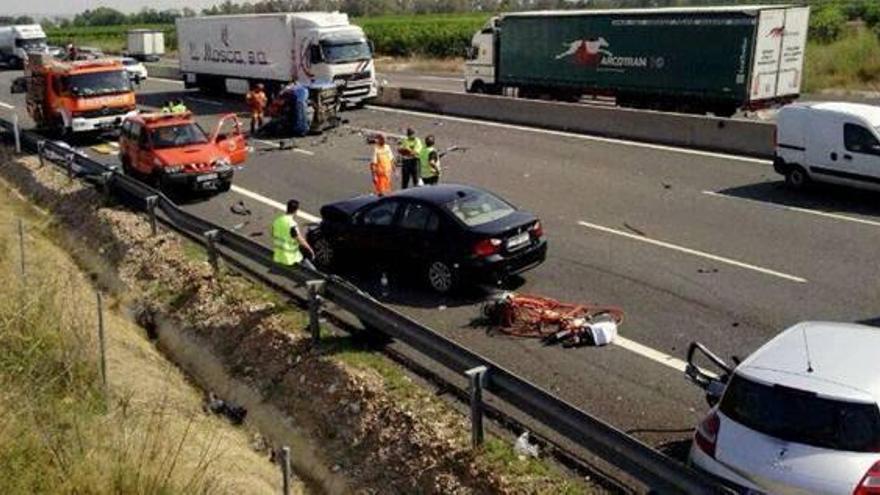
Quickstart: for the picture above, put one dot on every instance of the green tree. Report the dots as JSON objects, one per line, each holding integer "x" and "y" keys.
{"x": 827, "y": 23}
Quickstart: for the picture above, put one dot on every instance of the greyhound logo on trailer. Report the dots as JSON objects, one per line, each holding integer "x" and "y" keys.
{"x": 592, "y": 52}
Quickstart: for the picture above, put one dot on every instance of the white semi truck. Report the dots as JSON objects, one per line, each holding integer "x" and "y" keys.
{"x": 16, "y": 42}
{"x": 230, "y": 53}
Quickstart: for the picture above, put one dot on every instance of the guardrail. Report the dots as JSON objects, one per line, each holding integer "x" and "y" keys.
{"x": 659, "y": 472}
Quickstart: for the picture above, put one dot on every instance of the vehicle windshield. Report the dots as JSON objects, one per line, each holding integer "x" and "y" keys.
{"x": 175, "y": 136}
{"x": 97, "y": 83}
{"x": 32, "y": 45}
{"x": 798, "y": 416}
{"x": 338, "y": 52}
{"x": 479, "y": 208}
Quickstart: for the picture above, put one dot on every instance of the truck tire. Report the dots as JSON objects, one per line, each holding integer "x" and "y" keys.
{"x": 797, "y": 178}
{"x": 477, "y": 87}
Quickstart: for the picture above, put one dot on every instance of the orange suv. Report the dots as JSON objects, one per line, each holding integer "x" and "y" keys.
{"x": 172, "y": 151}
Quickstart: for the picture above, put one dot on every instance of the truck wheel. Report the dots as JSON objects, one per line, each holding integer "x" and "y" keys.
{"x": 477, "y": 87}
{"x": 797, "y": 177}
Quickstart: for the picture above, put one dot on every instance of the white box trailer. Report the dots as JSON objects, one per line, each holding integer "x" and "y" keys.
{"x": 16, "y": 42}
{"x": 144, "y": 43}
{"x": 313, "y": 48}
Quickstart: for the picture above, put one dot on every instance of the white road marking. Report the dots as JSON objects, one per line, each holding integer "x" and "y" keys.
{"x": 207, "y": 102}
{"x": 7, "y": 105}
{"x": 625, "y": 142}
{"x": 274, "y": 204}
{"x": 819, "y": 213}
{"x": 276, "y": 145}
{"x": 169, "y": 81}
{"x": 695, "y": 252}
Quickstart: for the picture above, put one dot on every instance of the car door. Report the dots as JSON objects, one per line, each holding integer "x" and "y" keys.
{"x": 228, "y": 136}
{"x": 142, "y": 157}
{"x": 374, "y": 229}
{"x": 418, "y": 232}
{"x": 861, "y": 152}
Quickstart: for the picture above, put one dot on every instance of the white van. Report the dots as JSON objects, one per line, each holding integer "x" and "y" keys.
{"x": 829, "y": 142}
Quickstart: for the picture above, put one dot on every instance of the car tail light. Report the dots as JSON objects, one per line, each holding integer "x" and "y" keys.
{"x": 870, "y": 484}
{"x": 537, "y": 230}
{"x": 487, "y": 247}
{"x": 706, "y": 436}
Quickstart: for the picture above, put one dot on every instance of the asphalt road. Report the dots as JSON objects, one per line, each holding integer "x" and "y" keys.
{"x": 692, "y": 245}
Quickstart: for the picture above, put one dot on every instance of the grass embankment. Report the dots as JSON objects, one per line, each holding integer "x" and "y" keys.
{"x": 852, "y": 62}
{"x": 109, "y": 39}
{"x": 59, "y": 433}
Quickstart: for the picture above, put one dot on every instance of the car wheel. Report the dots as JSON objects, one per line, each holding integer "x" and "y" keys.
{"x": 325, "y": 254}
{"x": 797, "y": 177}
{"x": 442, "y": 276}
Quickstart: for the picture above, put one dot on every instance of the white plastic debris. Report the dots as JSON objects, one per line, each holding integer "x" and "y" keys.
{"x": 603, "y": 330}
{"x": 523, "y": 448}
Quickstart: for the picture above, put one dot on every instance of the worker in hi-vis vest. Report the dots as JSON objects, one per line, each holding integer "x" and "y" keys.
{"x": 410, "y": 151}
{"x": 288, "y": 241}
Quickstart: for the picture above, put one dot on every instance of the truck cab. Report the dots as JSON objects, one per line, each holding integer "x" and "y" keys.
{"x": 172, "y": 151}
{"x": 832, "y": 142}
{"x": 18, "y": 42}
{"x": 479, "y": 69}
{"x": 76, "y": 97}
{"x": 336, "y": 51}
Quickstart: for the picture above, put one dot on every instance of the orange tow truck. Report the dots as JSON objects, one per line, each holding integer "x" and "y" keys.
{"x": 172, "y": 151}
{"x": 77, "y": 96}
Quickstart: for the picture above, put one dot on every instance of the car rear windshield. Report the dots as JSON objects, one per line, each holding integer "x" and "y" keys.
{"x": 479, "y": 208}
{"x": 174, "y": 136}
{"x": 803, "y": 417}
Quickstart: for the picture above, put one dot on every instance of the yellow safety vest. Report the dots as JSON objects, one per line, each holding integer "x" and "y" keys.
{"x": 414, "y": 145}
{"x": 179, "y": 108}
{"x": 286, "y": 246}
{"x": 426, "y": 169}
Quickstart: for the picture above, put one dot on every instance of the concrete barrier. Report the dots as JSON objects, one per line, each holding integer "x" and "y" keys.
{"x": 737, "y": 136}
{"x": 163, "y": 71}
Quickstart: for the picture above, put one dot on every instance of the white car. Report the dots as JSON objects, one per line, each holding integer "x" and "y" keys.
{"x": 136, "y": 70}
{"x": 798, "y": 416}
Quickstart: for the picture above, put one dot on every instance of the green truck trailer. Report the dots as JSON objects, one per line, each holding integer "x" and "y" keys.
{"x": 696, "y": 60}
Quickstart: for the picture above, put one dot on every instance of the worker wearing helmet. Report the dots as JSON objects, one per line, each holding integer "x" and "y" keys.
{"x": 256, "y": 101}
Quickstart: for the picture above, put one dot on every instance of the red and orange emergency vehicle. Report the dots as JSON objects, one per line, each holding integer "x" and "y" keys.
{"x": 78, "y": 96}
{"x": 172, "y": 151}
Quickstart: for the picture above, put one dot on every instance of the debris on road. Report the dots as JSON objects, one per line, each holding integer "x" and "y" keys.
{"x": 635, "y": 230}
{"x": 239, "y": 208}
{"x": 554, "y": 322}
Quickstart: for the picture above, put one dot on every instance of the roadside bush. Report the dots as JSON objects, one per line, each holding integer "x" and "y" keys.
{"x": 827, "y": 24}
{"x": 441, "y": 36}
{"x": 852, "y": 62}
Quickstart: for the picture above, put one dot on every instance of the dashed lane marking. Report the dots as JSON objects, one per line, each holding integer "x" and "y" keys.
{"x": 7, "y": 106}
{"x": 168, "y": 81}
{"x": 694, "y": 252}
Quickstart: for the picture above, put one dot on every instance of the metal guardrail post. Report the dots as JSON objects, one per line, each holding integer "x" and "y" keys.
{"x": 69, "y": 160}
{"x": 315, "y": 288}
{"x": 16, "y": 130}
{"x": 41, "y": 148}
{"x": 213, "y": 258}
{"x": 477, "y": 381}
{"x": 152, "y": 202}
{"x": 285, "y": 470}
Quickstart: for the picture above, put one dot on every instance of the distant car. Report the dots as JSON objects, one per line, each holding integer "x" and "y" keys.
{"x": 834, "y": 142}
{"x": 136, "y": 70}
{"x": 450, "y": 234}
{"x": 172, "y": 151}
{"x": 89, "y": 53}
{"x": 798, "y": 416}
